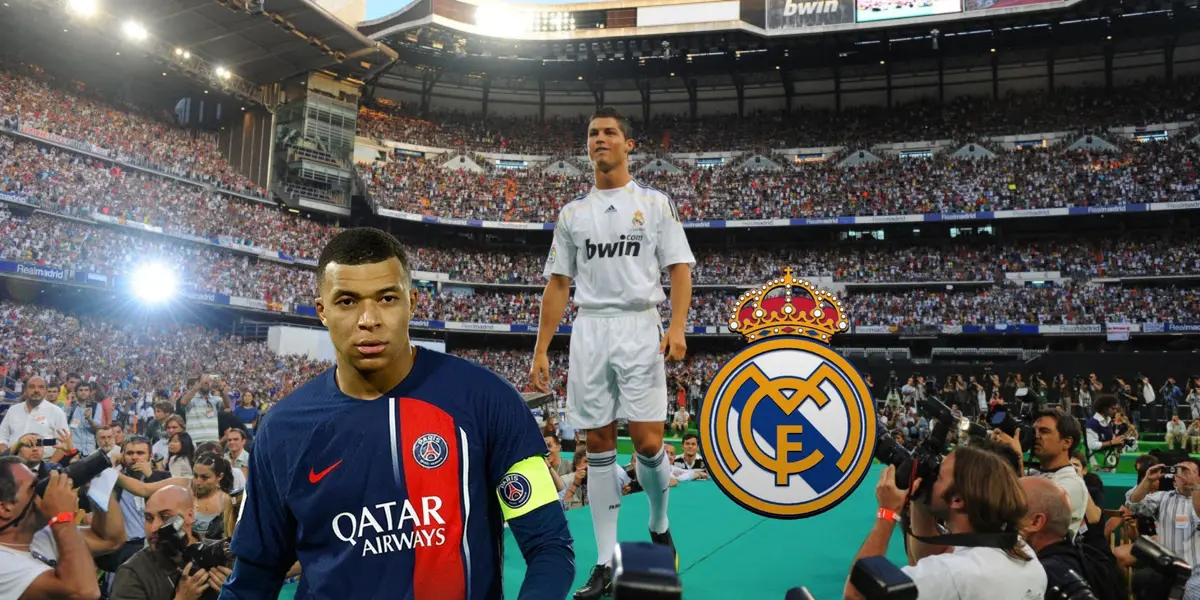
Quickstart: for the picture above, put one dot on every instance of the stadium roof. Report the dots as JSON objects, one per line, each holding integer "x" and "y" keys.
{"x": 290, "y": 37}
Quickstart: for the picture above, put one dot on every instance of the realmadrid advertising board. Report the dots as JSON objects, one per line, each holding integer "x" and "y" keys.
{"x": 788, "y": 425}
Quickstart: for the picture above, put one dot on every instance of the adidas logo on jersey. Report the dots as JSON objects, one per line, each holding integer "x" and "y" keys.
{"x": 611, "y": 209}
{"x": 624, "y": 247}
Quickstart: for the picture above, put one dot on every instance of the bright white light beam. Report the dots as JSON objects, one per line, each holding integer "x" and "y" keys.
{"x": 134, "y": 31}
{"x": 84, "y": 8}
{"x": 154, "y": 283}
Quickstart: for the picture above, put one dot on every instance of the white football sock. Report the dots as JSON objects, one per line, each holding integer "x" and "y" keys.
{"x": 654, "y": 473}
{"x": 604, "y": 496}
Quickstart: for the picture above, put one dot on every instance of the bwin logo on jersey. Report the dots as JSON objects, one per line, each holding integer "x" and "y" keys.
{"x": 787, "y": 426}
{"x": 621, "y": 247}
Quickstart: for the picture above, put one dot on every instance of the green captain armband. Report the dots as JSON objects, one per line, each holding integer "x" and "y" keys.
{"x": 526, "y": 487}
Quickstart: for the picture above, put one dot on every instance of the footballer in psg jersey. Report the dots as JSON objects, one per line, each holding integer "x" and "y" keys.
{"x": 392, "y": 474}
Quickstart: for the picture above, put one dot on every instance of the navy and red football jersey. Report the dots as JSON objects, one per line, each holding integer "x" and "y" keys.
{"x": 396, "y": 497}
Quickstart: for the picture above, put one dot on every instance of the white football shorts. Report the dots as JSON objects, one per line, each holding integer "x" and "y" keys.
{"x": 616, "y": 370}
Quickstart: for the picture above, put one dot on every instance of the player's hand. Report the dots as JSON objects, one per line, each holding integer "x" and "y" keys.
{"x": 60, "y": 497}
{"x": 192, "y": 584}
{"x": 673, "y": 344}
{"x": 539, "y": 374}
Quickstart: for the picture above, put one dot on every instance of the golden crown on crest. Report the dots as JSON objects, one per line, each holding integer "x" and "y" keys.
{"x": 788, "y": 306}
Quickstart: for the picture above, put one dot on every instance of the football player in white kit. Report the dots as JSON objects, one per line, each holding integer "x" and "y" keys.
{"x": 614, "y": 243}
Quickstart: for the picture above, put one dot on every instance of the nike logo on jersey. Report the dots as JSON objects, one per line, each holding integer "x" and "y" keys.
{"x": 611, "y": 209}
{"x": 314, "y": 477}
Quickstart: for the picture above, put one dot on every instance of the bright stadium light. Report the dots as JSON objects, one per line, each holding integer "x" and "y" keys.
{"x": 153, "y": 283}
{"x": 499, "y": 21}
{"x": 134, "y": 31}
{"x": 223, "y": 73}
{"x": 85, "y": 8}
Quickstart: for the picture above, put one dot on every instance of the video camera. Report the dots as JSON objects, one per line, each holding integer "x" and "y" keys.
{"x": 925, "y": 460}
{"x": 173, "y": 543}
{"x": 875, "y": 578}
{"x": 80, "y": 472}
{"x": 1169, "y": 565}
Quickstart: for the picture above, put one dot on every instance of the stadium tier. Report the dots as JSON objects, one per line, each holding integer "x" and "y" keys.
{"x": 1006, "y": 221}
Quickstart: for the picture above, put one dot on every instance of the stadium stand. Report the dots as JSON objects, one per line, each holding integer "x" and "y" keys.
{"x": 95, "y": 188}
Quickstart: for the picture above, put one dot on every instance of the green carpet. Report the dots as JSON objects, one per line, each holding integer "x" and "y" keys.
{"x": 727, "y": 552}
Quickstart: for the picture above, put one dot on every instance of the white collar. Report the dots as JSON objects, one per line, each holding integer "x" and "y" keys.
{"x": 1103, "y": 420}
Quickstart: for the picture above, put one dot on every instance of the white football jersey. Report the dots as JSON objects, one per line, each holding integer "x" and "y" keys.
{"x": 615, "y": 244}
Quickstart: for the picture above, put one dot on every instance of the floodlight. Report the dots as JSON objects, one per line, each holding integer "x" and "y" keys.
{"x": 134, "y": 31}
{"x": 153, "y": 283}
{"x": 85, "y": 8}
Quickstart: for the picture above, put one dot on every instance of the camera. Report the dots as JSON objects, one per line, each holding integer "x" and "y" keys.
{"x": 875, "y": 578}
{"x": 80, "y": 472}
{"x": 645, "y": 571}
{"x": 173, "y": 543}
{"x": 925, "y": 460}
{"x": 1018, "y": 426}
{"x": 1173, "y": 568}
{"x": 1069, "y": 586}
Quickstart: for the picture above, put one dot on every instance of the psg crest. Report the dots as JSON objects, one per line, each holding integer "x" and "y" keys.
{"x": 787, "y": 426}
{"x": 430, "y": 451}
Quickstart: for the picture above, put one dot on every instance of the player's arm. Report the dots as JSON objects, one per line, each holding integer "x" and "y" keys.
{"x": 264, "y": 541}
{"x": 560, "y": 269}
{"x": 675, "y": 255}
{"x": 535, "y": 517}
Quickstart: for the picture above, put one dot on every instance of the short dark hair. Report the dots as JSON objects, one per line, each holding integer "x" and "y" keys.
{"x": 1067, "y": 426}
{"x": 361, "y": 246}
{"x": 608, "y": 112}
{"x": 1103, "y": 403}
{"x": 690, "y": 436}
{"x": 557, "y": 440}
{"x": 238, "y": 430}
{"x": 8, "y": 483}
{"x": 71, "y": 376}
{"x": 85, "y": 384}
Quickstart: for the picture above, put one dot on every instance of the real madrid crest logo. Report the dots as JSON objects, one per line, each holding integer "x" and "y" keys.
{"x": 788, "y": 425}
{"x": 639, "y": 219}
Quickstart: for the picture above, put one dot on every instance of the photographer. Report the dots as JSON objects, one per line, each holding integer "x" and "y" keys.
{"x": 27, "y": 574}
{"x": 160, "y": 570}
{"x": 1055, "y": 435}
{"x": 1175, "y": 511}
{"x": 1047, "y": 532}
{"x": 1103, "y": 448}
{"x": 975, "y": 493}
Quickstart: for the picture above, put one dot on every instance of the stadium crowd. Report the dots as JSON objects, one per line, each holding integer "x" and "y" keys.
{"x": 131, "y": 133}
{"x": 113, "y": 252}
{"x": 72, "y": 184}
{"x": 1086, "y": 110}
{"x": 1018, "y": 179}
{"x": 134, "y": 361}
{"x": 1012, "y": 304}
